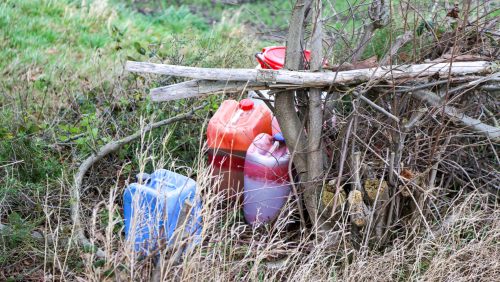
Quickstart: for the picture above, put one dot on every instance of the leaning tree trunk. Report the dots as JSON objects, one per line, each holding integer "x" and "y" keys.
{"x": 315, "y": 167}
{"x": 285, "y": 101}
{"x": 307, "y": 155}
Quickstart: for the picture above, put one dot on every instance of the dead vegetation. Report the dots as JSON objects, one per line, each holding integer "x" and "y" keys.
{"x": 407, "y": 186}
{"x": 403, "y": 174}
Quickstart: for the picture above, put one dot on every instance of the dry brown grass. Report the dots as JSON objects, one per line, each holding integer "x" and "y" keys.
{"x": 462, "y": 246}
{"x": 447, "y": 232}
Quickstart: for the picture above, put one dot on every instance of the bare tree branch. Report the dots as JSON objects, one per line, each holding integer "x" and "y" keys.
{"x": 472, "y": 123}
{"x": 378, "y": 13}
{"x": 315, "y": 122}
{"x": 285, "y": 103}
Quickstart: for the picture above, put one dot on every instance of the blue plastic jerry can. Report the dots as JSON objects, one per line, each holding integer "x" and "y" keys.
{"x": 152, "y": 207}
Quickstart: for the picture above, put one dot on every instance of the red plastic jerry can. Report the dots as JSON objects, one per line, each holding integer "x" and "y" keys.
{"x": 229, "y": 134}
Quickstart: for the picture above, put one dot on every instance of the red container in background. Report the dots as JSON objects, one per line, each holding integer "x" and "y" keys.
{"x": 229, "y": 134}
{"x": 273, "y": 57}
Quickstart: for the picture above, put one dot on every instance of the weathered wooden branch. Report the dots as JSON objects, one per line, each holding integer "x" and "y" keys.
{"x": 197, "y": 88}
{"x": 475, "y": 83}
{"x": 375, "y": 106}
{"x": 356, "y": 171}
{"x": 288, "y": 118}
{"x": 472, "y": 123}
{"x": 214, "y": 80}
{"x": 398, "y": 43}
{"x": 312, "y": 79}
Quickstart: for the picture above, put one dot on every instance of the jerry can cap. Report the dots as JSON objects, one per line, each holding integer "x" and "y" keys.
{"x": 279, "y": 137}
{"x": 246, "y": 104}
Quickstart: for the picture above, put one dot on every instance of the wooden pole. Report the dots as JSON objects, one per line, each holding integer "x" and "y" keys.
{"x": 197, "y": 88}
{"x": 314, "y": 79}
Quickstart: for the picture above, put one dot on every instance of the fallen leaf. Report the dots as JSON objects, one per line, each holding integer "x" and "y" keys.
{"x": 407, "y": 174}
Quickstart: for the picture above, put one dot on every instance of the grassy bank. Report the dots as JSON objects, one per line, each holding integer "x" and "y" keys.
{"x": 64, "y": 94}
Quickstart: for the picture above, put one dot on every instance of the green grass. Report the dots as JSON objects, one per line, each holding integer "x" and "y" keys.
{"x": 56, "y": 52}
{"x": 58, "y": 36}
{"x": 263, "y": 15}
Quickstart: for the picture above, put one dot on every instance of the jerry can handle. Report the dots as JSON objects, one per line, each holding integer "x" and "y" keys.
{"x": 278, "y": 140}
{"x": 142, "y": 177}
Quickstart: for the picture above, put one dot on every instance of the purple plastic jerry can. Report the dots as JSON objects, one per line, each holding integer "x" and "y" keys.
{"x": 266, "y": 178}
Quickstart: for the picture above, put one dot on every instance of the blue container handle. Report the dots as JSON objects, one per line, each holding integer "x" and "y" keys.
{"x": 143, "y": 177}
